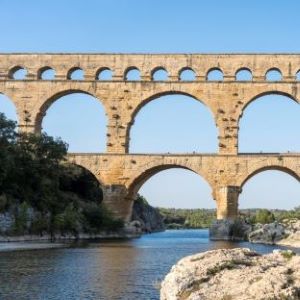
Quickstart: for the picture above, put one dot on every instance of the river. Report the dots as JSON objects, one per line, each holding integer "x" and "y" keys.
{"x": 108, "y": 270}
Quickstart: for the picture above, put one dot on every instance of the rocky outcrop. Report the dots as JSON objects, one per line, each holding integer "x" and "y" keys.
{"x": 234, "y": 274}
{"x": 149, "y": 217}
{"x": 230, "y": 230}
{"x": 293, "y": 233}
{"x": 267, "y": 233}
{"x": 286, "y": 233}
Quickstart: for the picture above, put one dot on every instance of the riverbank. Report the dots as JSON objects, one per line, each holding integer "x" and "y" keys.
{"x": 129, "y": 231}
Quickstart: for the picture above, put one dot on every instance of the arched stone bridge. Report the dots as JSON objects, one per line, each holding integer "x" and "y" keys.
{"x": 122, "y": 174}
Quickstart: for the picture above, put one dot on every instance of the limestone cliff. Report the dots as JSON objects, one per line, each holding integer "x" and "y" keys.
{"x": 150, "y": 218}
{"x": 235, "y": 274}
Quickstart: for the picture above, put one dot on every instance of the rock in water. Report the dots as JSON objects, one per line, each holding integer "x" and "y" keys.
{"x": 234, "y": 274}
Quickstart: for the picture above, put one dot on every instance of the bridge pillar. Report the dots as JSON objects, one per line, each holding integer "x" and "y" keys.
{"x": 26, "y": 128}
{"x": 26, "y": 123}
{"x": 116, "y": 135}
{"x": 227, "y": 202}
{"x": 116, "y": 201}
{"x": 228, "y": 135}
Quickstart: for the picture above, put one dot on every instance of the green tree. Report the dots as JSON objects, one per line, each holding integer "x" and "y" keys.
{"x": 264, "y": 216}
{"x": 34, "y": 173}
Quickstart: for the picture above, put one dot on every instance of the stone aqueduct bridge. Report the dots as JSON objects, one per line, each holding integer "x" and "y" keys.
{"x": 122, "y": 174}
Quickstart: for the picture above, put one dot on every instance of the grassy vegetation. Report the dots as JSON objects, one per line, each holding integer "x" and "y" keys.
{"x": 228, "y": 265}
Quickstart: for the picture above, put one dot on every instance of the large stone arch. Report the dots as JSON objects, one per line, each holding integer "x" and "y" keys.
{"x": 290, "y": 170}
{"x": 146, "y": 172}
{"x": 18, "y": 109}
{"x": 87, "y": 162}
{"x": 42, "y": 110}
{"x": 95, "y": 175}
{"x": 253, "y": 98}
{"x": 154, "y": 96}
{"x": 290, "y": 94}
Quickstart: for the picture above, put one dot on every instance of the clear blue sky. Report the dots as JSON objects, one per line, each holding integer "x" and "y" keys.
{"x": 269, "y": 124}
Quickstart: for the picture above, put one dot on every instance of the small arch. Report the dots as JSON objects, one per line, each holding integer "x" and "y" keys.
{"x": 187, "y": 74}
{"x": 273, "y": 74}
{"x": 214, "y": 74}
{"x": 132, "y": 74}
{"x": 46, "y": 73}
{"x": 243, "y": 74}
{"x": 17, "y": 73}
{"x": 159, "y": 74}
{"x": 104, "y": 74}
{"x": 75, "y": 73}
{"x": 298, "y": 76}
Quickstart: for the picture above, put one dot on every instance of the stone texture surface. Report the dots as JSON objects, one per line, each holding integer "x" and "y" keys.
{"x": 149, "y": 217}
{"x": 121, "y": 174}
{"x": 236, "y": 274}
{"x": 267, "y": 233}
{"x": 286, "y": 233}
{"x": 231, "y": 230}
{"x": 292, "y": 228}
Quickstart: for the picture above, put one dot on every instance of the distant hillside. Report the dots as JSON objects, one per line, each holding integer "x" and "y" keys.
{"x": 202, "y": 218}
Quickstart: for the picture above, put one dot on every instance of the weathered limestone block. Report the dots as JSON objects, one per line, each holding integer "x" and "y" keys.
{"x": 236, "y": 274}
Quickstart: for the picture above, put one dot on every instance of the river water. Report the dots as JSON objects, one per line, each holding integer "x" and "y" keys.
{"x": 125, "y": 269}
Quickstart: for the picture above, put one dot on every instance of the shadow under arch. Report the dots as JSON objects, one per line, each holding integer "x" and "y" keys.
{"x": 46, "y": 105}
{"x": 283, "y": 169}
{"x": 85, "y": 181}
{"x": 267, "y": 93}
{"x": 154, "y": 97}
{"x": 137, "y": 182}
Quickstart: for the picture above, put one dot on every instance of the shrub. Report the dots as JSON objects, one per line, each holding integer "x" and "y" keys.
{"x": 68, "y": 221}
{"x": 264, "y": 216}
{"x": 40, "y": 224}
{"x": 21, "y": 219}
{"x": 98, "y": 217}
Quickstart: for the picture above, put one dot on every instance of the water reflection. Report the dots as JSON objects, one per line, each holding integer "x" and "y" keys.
{"x": 103, "y": 270}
